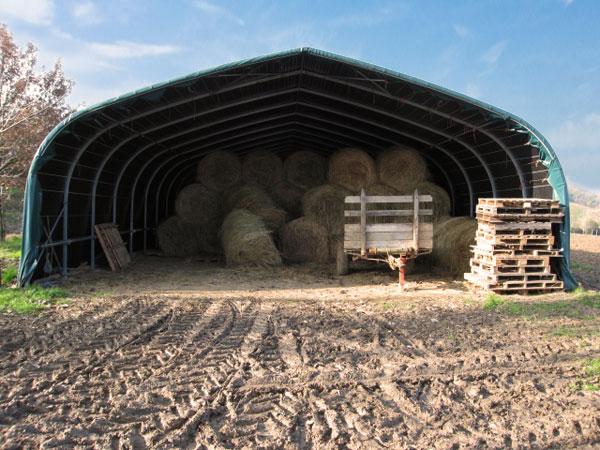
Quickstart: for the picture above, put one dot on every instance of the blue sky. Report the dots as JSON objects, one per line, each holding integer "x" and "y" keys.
{"x": 537, "y": 59}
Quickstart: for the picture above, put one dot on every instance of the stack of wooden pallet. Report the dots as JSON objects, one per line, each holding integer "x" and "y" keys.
{"x": 514, "y": 244}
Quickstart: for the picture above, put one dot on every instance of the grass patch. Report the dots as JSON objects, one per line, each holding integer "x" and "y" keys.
{"x": 592, "y": 370}
{"x": 577, "y": 307}
{"x": 493, "y": 301}
{"x": 565, "y": 331}
{"x": 31, "y": 299}
{"x": 592, "y": 367}
{"x": 9, "y": 275}
{"x": 11, "y": 248}
{"x": 581, "y": 267}
{"x": 389, "y": 305}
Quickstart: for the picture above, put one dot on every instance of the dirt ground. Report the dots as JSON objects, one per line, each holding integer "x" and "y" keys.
{"x": 585, "y": 251}
{"x": 195, "y": 355}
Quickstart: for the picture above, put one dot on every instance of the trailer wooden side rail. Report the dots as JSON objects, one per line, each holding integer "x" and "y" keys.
{"x": 402, "y": 236}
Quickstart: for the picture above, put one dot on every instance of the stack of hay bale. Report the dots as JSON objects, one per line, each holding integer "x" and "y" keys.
{"x": 514, "y": 245}
{"x": 292, "y": 208}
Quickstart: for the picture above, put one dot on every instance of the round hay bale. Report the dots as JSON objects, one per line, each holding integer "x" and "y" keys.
{"x": 288, "y": 196}
{"x": 246, "y": 241}
{"x": 219, "y": 171}
{"x": 452, "y": 238}
{"x": 382, "y": 189}
{"x": 441, "y": 199}
{"x": 273, "y": 218}
{"x": 305, "y": 169}
{"x": 402, "y": 168}
{"x": 325, "y": 205}
{"x": 175, "y": 237}
{"x": 207, "y": 238}
{"x": 352, "y": 168}
{"x": 198, "y": 205}
{"x": 256, "y": 200}
{"x": 304, "y": 240}
{"x": 247, "y": 197}
{"x": 263, "y": 168}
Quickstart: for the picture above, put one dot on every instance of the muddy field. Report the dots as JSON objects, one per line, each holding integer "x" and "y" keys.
{"x": 199, "y": 356}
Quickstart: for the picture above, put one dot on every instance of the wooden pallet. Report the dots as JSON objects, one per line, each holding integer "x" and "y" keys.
{"x": 514, "y": 238}
{"x": 511, "y": 269}
{"x": 509, "y": 252}
{"x": 520, "y": 202}
{"x": 506, "y": 260}
{"x": 519, "y": 218}
{"x": 521, "y": 210}
{"x": 516, "y": 228}
{"x": 112, "y": 244}
{"x": 497, "y": 277}
{"x": 514, "y": 285}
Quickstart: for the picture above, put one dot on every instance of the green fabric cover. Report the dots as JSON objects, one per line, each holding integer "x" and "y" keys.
{"x": 32, "y": 222}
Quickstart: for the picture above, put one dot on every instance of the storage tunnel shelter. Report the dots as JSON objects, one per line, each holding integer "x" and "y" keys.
{"x": 125, "y": 160}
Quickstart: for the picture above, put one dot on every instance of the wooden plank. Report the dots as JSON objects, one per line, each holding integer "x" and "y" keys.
{"x": 388, "y": 212}
{"x": 389, "y": 227}
{"x": 386, "y": 244}
{"x": 113, "y": 246}
{"x": 388, "y": 198}
{"x": 494, "y": 227}
{"x": 363, "y": 222}
{"x": 389, "y": 235}
{"x": 416, "y": 219}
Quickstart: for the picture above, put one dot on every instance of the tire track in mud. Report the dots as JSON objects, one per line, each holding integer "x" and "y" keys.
{"x": 29, "y": 347}
{"x": 60, "y": 385}
{"x": 266, "y": 415}
{"x": 245, "y": 373}
{"x": 220, "y": 368}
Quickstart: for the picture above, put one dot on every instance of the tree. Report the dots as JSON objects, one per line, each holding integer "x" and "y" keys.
{"x": 32, "y": 102}
{"x": 591, "y": 225}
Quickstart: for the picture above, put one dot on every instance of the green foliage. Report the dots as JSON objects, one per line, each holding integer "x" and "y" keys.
{"x": 590, "y": 299}
{"x": 9, "y": 275}
{"x": 592, "y": 367}
{"x": 11, "y": 248}
{"x": 492, "y": 302}
{"x": 31, "y": 299}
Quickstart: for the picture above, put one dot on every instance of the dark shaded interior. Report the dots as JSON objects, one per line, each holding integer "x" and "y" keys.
{"x": 126, "y": 160}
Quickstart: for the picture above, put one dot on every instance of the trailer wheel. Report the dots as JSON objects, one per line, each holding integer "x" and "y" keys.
{"x": 341, "y": 260}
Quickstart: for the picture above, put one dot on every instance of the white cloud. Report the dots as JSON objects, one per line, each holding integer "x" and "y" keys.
{"x": 216, "y": 11}
{"x": 567, "y": 3}
{"x": 493, "y": 54}
{"x": 127, "y": 49}
{"x": 36, "y": 12}
{"x": 580, "y": 134}
{"x": 461, "y": 31}
{"x": 473, "y": 90}
{"x": 86, "y": 13}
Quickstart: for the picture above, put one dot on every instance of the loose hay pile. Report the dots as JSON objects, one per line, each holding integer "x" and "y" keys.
{"x": 263, "y": 168}
{"x": 198, "y": 205}
{"x": 352, "y": 168}
{"x": 305, "y": 169}
{"x": 219, "y": 171}
{"x": 304, "y": 240}
{"x": 325, "y": 205}
{"x": 246, "y": 241}
{"x": 257, "y": 201}
{"x": 452, "y": 238}
{"x": 401, "y": 168}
